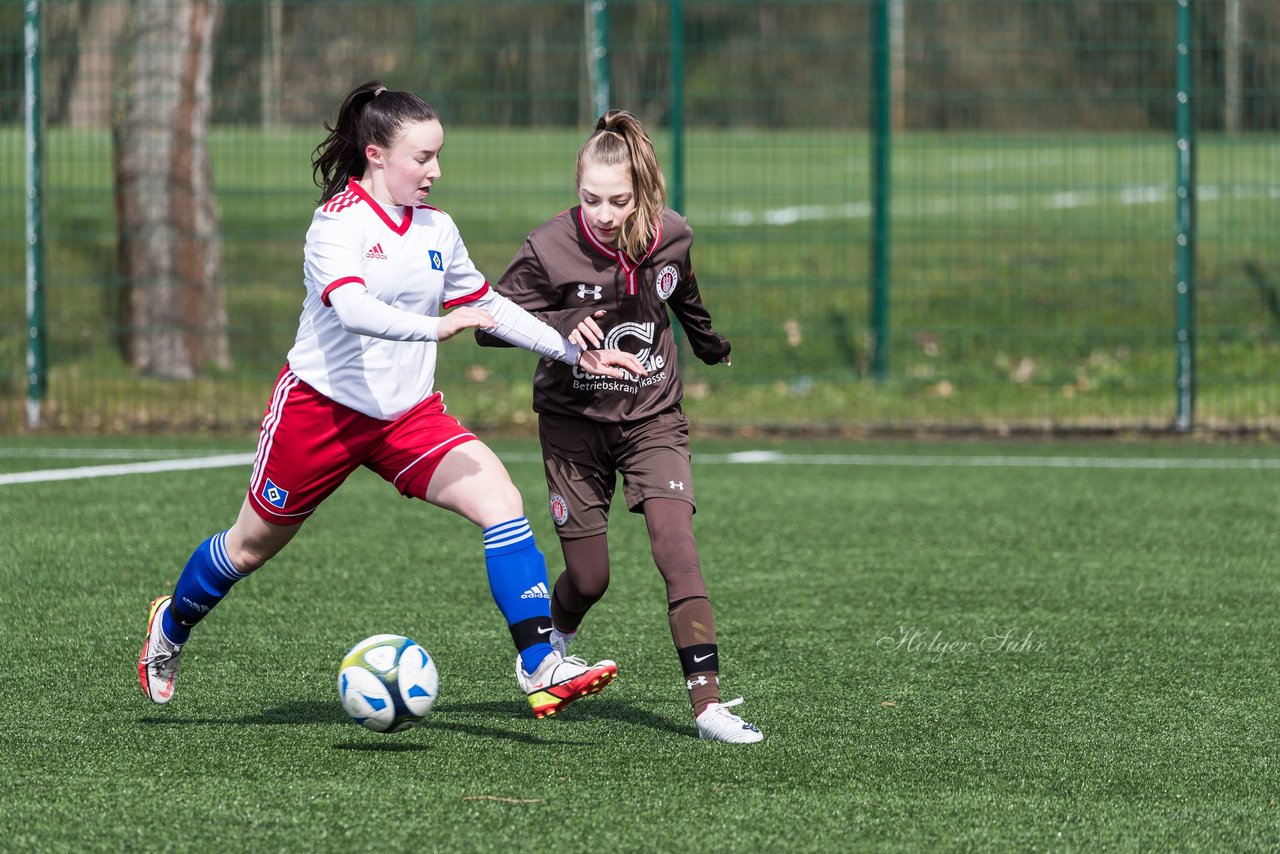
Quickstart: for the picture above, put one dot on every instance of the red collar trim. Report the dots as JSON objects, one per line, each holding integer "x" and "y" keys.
{"x": 607, "y": 251}
{"x": 354, "y": 186}
{"x": 618, "y": 256}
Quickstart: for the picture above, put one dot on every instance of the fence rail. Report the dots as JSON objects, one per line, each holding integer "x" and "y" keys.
{"x": 909, "y": 214}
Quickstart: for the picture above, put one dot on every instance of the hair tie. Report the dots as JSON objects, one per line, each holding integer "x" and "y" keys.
{"x": 379, "y": 91}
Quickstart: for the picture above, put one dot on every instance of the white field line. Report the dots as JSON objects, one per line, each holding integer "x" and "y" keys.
{"x": 80, "y": 472}
{"x": 737, "y": 458}
{"x": 89, "y": 453}
{"x": 929, "y": 460}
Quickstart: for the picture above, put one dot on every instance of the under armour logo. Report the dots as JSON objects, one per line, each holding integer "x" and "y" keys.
{"x": 676, "y": 484}
{"x": 701, "y": 680}
{"x": 595, "y": 292}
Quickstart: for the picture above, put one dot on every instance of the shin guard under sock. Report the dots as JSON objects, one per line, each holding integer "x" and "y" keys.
{"x": 518, "y": 582}
{"x": 207, "y": 577}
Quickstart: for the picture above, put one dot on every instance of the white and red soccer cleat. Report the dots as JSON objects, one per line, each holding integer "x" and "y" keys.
{"x": 561, "y": 679}
{"x": 158, "y": 663}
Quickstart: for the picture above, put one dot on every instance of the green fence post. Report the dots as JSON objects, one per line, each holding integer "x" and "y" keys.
{"x": 880, "y": 188}
{"x": 36, "y": 353}
{"x": 1186, "y": 240}
{"x": 677, "y": 106}
{"x": 598, "y": 43}
{"x": 675, "y": 186}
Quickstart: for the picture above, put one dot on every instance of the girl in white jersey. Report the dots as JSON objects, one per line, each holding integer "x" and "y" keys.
{"x": 380, "y": 266}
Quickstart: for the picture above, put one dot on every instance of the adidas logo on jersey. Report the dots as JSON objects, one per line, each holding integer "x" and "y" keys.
{"x": 537, "y": 591}
{"x": 376, "y": 252}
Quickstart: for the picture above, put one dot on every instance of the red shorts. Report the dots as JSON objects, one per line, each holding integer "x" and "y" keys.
{"x": 309, "y": 444}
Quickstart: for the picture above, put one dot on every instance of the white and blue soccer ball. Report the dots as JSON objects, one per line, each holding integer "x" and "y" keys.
{"x": 387, "y": 683}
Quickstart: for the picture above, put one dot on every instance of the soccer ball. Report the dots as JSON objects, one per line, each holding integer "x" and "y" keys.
{"x": 387, "y": 683}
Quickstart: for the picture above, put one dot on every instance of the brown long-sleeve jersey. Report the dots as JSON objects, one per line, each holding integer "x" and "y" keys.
{"x": 563, "y": 274}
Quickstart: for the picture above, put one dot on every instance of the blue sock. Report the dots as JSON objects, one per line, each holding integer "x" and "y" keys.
{"x": 205, "y": 579}
{"x": 518, "y": 582}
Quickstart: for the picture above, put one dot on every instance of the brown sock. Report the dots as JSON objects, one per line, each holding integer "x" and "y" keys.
{"x": 694, "y": 631}
{"x": 561, "y": 617}
{"x": 583, "y": 582}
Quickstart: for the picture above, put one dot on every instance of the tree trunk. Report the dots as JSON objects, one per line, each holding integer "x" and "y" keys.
{"x": 97, "y": 49}
{"x": 172, "y": 311}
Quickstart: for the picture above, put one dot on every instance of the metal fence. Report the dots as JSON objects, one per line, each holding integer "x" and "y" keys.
{"x": 1045, "y": 214}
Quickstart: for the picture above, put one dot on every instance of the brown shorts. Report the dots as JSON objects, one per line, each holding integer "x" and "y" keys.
{"x": 583, "y": 458}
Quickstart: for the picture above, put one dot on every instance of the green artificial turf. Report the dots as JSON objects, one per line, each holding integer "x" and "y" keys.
{"x": 948, "y": 646}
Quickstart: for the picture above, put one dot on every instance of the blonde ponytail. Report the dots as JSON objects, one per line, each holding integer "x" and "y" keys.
{"x": 619, "y": 139}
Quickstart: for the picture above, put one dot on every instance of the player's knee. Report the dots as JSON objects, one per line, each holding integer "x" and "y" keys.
{"x": 506, "y": 501}
{"x": 591, "y": 586}
{"x": 676, "y": 551}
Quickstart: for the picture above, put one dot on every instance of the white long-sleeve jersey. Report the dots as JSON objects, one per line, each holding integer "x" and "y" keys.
{"x": 377, "y": 278}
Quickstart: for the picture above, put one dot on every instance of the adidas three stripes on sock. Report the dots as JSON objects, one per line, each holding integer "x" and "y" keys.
{"x": 518, "y": 582}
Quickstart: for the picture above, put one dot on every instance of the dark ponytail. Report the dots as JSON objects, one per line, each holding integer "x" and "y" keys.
{"x": 370, "y": 114}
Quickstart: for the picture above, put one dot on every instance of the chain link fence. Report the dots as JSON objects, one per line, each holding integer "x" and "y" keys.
{"x": 910, "y": 214}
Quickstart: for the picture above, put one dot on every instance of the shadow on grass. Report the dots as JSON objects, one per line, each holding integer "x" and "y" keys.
{"x": 300, "y": 712}
{"x": 436, "y": 722}
{"x": 448, "y": 717}
{"x": 315, "y": 712}
{"x": 383, "y": 747}
{"x": 588, "y": 709}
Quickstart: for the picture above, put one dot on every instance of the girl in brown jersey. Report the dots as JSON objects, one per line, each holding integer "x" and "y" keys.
{"x": 605, "y": 273}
